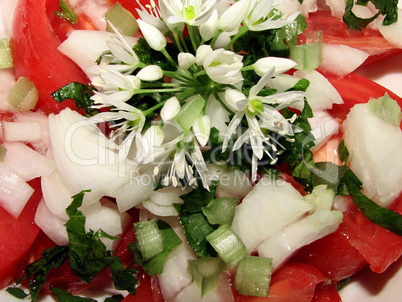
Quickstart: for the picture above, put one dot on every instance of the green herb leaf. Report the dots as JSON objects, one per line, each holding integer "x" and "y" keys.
{"x": 88, "y": 254}
{"x": 388, "y": 8}
{"x": 195, "y": 224}
{"x": 343, "y": 151}
{"x": 381, "y": 216}
{"x": 80, "y": 93}
{"x": 64, "y": 296}
{"x": 66, "y": 12}
{"x": 329, "y": 174}
{"x": 17, "y": 292}
{"x": 115, "y": 298}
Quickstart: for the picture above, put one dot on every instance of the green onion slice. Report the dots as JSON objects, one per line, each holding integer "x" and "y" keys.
{"x": 23, "y": 96}
{"x": 122, "y": 19}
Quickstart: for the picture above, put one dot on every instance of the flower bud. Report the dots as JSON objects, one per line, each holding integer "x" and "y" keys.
{"x": 202, "y": 128}
{"x": 150, "y": 73}
{"x": 185, "y": 60}
{"x": 170, "y": 109}
{"x": 263, "y": 65}
{"x": 152, "y": 35}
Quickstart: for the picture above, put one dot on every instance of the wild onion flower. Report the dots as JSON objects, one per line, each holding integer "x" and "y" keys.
{"x": 188, "y": 62}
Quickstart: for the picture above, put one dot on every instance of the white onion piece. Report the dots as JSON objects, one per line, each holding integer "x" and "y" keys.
{"x": 337, "y": 8}
{"x": 323, "y": 127}
{"x": 41, "y": 118}
{"x": 84, "y": 156}
{"x": 296, "y": 235}
{"x": 289, "y": 7}
{"x": 85, "y": 46}
{"x": 223, "y": 293}
{"x": 159, "y": 210}
{"x": 341, "y": 59}
{"x": 26, "y": 162}
{"x": 7, "y": 81}
{"x": 56, "y": 194}
{"x": 7, "y": 12}
{"x": 22, "y": 132}
{"x": 320, "y": 93}
{"x": 175, "y": 277}
{"x": 233, "y": 184}
{"x": 309, "y": 6}
{"x": 168, "y": 195}
{"x": 138, "y": 189}
{"x": 267, "y": 209}
{"x": 392, "y": 33}
{"x": 95, "y": 11}
{"x": 283, "y": 82}
{"x": 14, "y": 191}
{"x": 51, "y": 224}
{"x": 106, "y": 217}
{"x": 374, "y": 153}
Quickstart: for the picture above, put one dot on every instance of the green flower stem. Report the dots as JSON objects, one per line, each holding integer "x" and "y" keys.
{"x": 242, "y": 31}
{"x": 152, "y": 109}
{"x": 200, "y": 73}
{"x": 167, "y": 56}
{"x": 216, "y": 37}
{"x": 177, "y": 42}
{"x": 194, "y": 37}
{"x": 144, "y": 91}
{"x": 150, "y": 85}
{"x": 248, "y": 68}
{"x": 181, "y": 77}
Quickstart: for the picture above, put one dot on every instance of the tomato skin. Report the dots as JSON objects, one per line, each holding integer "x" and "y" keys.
{"x": 379, "y": 246}
{"x": 333, "y": 255}
{"x": 326, "y": 293}
{"x": 35, "y": 55}
{"x": 17, "y": 236}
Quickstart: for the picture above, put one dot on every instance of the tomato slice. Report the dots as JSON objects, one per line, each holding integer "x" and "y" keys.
{"x": 148, "y": 290}
{"x": 379, "y": 246}
{"x": 326, "y": 292}
{"x": 356, "y": 89}
{"x": 294, "y": 281}
{"x": 17, "y": 236}
{"x": 35, "y": 55}
{"x": 335, "y": 31}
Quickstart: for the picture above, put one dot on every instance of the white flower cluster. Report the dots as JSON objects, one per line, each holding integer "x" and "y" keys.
{"x": 207, "y": 73}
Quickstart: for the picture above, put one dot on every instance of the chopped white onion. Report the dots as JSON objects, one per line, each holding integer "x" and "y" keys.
{"x": 14, "y": 191}
{"x": 41, "y": 118}
{"x": 56, "y": 194}
{"x": 22, "y": 132}
{"x": 7, "y": 9}
{"x": 320, "y": 93}
{"x": 392, "y": 33}
{"x": 341, "y": 59}
{"x": 337, "y": 8}
{"x": 267, "y": 209}
{"x": 86, "y": 159}
{"x": 374, "y": 153}
{"x": 7, "y": 81}
{"x": 51, "y": 224}
{"x": 26, "y": 162}
{"x": 233, "y": 184}
{"x": 107, "y": 218}
{"x": 138, "y": 189}
{"x": 323, "y": 127}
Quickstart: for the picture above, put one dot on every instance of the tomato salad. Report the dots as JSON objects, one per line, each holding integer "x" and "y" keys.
{"x": 327, "y": 230}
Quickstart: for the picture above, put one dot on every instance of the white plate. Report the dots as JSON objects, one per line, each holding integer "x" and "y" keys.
{"x": 366, "y": 286}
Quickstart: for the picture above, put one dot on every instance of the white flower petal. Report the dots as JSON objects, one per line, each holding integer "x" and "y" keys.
{"x": 201, "y": 129}
{"x": 202, "y": 52}
{"x": 233, "y": 16}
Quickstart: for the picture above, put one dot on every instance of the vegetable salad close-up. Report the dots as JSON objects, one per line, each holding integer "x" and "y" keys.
{"x": 200, "y": 150}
